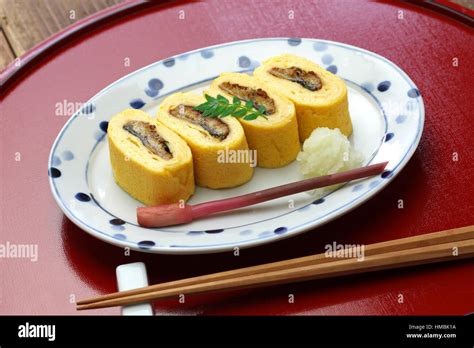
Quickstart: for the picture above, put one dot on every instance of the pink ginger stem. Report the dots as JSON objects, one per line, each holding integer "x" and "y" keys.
{"x": 203, "y": 209}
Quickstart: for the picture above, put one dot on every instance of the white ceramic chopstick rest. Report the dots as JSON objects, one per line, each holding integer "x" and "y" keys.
{"x": 132, "y": 276}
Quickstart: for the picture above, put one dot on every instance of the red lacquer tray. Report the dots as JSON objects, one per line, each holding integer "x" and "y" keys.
{"x": 436, "y": 50}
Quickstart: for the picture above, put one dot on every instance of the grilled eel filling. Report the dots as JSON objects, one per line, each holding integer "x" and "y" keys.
{"x": 149, "y": 137}
{"x": 308, "y": 79}
{"x": 214, "y": 126}
{"x": 257, "y": 96}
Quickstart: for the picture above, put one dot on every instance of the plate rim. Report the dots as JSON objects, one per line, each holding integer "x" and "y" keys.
{"x": 254, "y": 242}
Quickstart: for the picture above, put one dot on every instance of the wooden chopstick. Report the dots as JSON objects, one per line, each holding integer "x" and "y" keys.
{"x": 223, "y": 280}
{"x": 430, "y": 254}
{"x": 451, "y": 235}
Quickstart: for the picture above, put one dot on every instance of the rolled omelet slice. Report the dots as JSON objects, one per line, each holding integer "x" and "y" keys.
{"x": 220, "y": 151}
{"x": 319, "y": 96}
{"x": 149, "y": 161}
{"x": 274, "y": 139}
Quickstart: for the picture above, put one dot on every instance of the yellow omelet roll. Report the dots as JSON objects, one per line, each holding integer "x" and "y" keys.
{"x": 220, "y": 150}
{"x": 275, "y": 139}
{"x": 149, "y": 161}
{"x": 319, "y": 96}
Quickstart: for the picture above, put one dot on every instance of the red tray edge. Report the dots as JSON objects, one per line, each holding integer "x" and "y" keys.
{"x": 14, "y": 71}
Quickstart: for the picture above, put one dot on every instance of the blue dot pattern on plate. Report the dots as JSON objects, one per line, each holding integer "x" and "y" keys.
{"x": 244, "y": 62}
{"x": 155, "y": 84}
{"x": 254, "y": 64}
{"x": 99, "y": 135}
{"x": 373, "y": 184}
{"x": 195, "y": 233}
{"x": 411, "y": 106}
{"x": 169, "y": 62}
{"x": 386, "y": 174}
{"x": 137, "y": 103}
{"x": 357, "y": 187}
{"x": 245, "y": 232}
{"x": 151, "y": 92}
{"x": 56, "y": 161}
{"x": 332, "y": 68}
{"x": 54, "y": 172}
{"x": 89, "y": 108}
{"x": 120, "y": 236}
{"x": 327, "y": 58}
{"x": 214, "y": 231}
{"x": 400, "y": 119}
{"x": 320, "y": 46}
{"x": 117, "y": 221}
{"x": 82, "y": 197}
{"x": 319, "y": 201}
{"x": 103, "y": 126}
{"x": 369, "y": 87}
{"x": 280, "y": 230}
{"x": 265, "y": 234}
{"x": 384, "y": 86}
{"x": 68, "y": 155}
{"x": 206, "y": 54}
{"x": 294, "y": 41}
{"x": 389, "y": 136}
{"x": 413, "y": 93}
{"x": 146, "y": 244}
{"x": 118, "y": 227}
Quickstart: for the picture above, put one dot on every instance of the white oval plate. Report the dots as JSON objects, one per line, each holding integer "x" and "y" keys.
{"x": 386, "y": 110}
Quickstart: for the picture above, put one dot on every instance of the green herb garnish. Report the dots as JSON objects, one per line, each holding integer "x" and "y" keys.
{"x": 221, "y": 107}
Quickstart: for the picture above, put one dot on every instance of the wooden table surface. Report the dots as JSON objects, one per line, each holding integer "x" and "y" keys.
{"x": 24, "y": 23}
